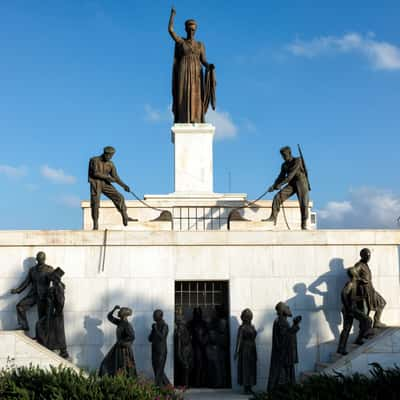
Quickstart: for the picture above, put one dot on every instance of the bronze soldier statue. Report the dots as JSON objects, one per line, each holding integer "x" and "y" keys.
{"x": 158, "y": 339}
{"x": 102, "y": 173}
{"x": 353, "y": 307}
{"x": 190, "y": 92}
{"x": 293, "y": 174}
{"x": 38, "y": 279}
{"x": 375, "y": 302}
{"x": 284, "y": 348}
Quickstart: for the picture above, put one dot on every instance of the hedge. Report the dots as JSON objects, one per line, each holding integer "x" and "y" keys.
{"x": 33, "y": 383}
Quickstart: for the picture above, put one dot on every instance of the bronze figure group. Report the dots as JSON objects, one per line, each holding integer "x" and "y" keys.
{"x": 359, "y": 298}
{"x": 47, "y": 293}
{"x": 202, "y": 350}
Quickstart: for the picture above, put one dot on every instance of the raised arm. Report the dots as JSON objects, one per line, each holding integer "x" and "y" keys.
{"x": 171, "y": 26}
{"x": 111, "y": 318}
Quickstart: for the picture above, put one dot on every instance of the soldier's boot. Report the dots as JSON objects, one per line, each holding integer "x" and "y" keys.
{"x": 342, "y": 345}
{"x": 64, "y": 353}
{"x": 377, "y": 320}
{"x": 126, "y": 218}
{"x": 272, "y": 218}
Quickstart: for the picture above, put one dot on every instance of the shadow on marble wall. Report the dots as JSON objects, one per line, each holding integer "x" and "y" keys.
{"x": 334, "y": 281}
{"x": 93, "y": 340}
{"x": 303, "y": 301}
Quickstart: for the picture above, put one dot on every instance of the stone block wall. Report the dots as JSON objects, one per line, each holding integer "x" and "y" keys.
{"x": 139, "y": 269}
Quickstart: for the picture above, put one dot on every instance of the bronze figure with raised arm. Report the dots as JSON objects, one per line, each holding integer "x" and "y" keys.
{"x": 191, "y": 93}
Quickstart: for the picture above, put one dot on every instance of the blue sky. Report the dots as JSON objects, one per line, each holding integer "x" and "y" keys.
{"x": 78, "y": 75}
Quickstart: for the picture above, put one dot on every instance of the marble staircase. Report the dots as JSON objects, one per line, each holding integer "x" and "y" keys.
{"x": 17, "y": 349}
{"x": 383, "y": 348}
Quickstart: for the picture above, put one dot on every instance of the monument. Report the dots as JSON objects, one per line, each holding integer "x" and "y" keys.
{"x": 223, "y": 282}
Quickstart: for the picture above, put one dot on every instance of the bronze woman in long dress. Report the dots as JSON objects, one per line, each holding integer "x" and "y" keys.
{"x": 246, "y": 352}
{"x": 191, "y": 93}
{"x": 120, "y": 358}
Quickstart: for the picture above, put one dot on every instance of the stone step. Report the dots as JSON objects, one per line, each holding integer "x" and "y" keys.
{"x": 21, "y": 350}
{"x": 335, "y": 357}
{"x": 320, "y": 366}
{"x": 307, "y": 374}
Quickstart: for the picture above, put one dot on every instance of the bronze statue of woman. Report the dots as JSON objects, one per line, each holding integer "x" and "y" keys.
{"x": 190, "y": 92}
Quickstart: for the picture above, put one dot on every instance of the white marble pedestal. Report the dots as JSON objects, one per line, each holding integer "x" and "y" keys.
{"x": 193, "y": 158}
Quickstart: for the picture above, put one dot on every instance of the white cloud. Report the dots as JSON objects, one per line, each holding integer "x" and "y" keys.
{"x": 13, "y": 172}
{"x": 154, "y": 115}
{"x": 367, "y": 207}
{"x": 69, "y": 200}
{"x": 224, "y": 126}
{"x": 335, "y": 210}
{"x": 57, "y": 175}
{"x": 381, "y": 55}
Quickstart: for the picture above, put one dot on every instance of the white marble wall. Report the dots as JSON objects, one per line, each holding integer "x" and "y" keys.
{"x": 140, "y": 268}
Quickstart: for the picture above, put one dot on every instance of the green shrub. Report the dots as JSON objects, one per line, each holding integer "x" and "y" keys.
{"x": 33, "y": 383}
{"x": 381, "y": 384}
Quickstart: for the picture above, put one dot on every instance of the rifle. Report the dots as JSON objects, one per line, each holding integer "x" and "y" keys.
{"x": 304, "y": 166}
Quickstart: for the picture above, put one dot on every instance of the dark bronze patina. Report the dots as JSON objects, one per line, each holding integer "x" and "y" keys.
{"x": 102, "y": 173}
{"x": 158, "y": 339}
{"x": 190, "y": 92}
{"x": 374, "y": 301}
{"x": 183, "y": 351}
{"x": 198, "y": 330}
{"x": 120, "y": 358}
{"x": 284, "y": 348}
{"x": 38, "y": 280}
{"x": 294, "y": 175}
{"x": 353, "y": 307}
{"x": 217, "y": 350}
{"x": 50, "y": 330}
{"x": 246, "y": 352}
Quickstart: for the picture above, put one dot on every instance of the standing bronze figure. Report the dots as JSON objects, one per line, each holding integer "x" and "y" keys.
{"x": 50, "y": 330}
{"x": 246, "y": 352}
{"x": 120, "y": 358}
{"x": 199, "y": 332}
{"x": 294, "y": 175}
{"x": 375, "y": 302}
{"x": 218, "y": 350}
{"x": 102, "y": 173}
{"x": 183, "y": 351}
{"x": 158, "y": 339}
{"x": 190, "y": 92}
{"x": 353, "y": 307}
{"x": 38, "y": 279}
{"x": 284, "y": 348}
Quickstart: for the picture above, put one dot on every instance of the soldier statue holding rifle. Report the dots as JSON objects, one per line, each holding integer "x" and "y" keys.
{"x": 293, "y": 179}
